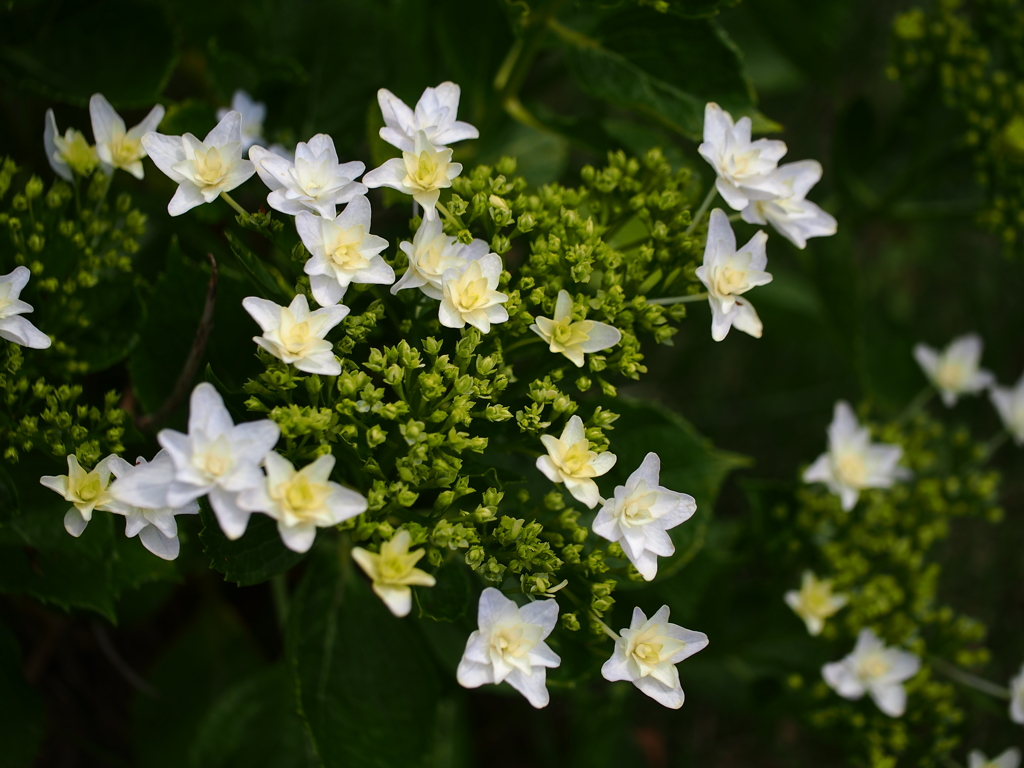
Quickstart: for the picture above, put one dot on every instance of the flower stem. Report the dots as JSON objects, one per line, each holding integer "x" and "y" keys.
{"x": 920, "y": 400}
{"x": 993, "y": 444}
{"x": 607, "y": 630}
{"x": 966, "y": 678}
{"x": 457, "y": 221}
{"x": 698, "y": 217}
{"x": 679, "y": 299}
{"x": 521, "y": 343}
{"x": 231, "y": 201}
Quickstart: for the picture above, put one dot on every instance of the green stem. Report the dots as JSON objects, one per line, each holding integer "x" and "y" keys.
{"x": 679, "y": 299}
{"x": 993, "y": 444}
{"x": 231, "y": 201}
{"x": 699, "y": 215}
{"x": 966, "y": 678}
{"x": 921, "y": 399}
{"x": 607, "y": 630}
{"x": 452, "y": 218}
{"x": 521, "y": 343}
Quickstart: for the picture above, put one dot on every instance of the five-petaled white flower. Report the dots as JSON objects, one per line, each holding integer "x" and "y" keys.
{"x": 253, "y": 114}
{"x": 852, "y": 462}
{"x": 795, "y": 217}
{"x": 955, "y": 370}
{"x": 87, "y": 491}
{"x": 1009, "y": 759}
{"x": 302, "y": 501}
{"x": 117, "y": 147}
{"x": 156, "y": 528}
{"x": 13, "y": 326}
{"x": 509, "y": 646}
{"x": 469, "y": 295}
{"x": 574, "y": 339}
{"x": 570, "y": 461}
{"x": 814, "y": 602}
{"x": 70, "y": 153}
{"x": 202, "y": 169}
{"x": 874, "y": 669}
{"x": 295, "y": 335}
{"x": 315, "y": 181}
{"x": 343, "y": 252}
{"x": 728, "y": 273}
{"x": 432, "y": 253}
{"x": 393, "y": 571}
{"x": 646, "y": 655}
{"x": 744, "y": 167}
{"x": 1017, "y": 697}
{"x": 1008, "y": 402}
{"x": 435, "y": 115}
{"x": 422, "y": 171}
{"x": 639, "y": 515}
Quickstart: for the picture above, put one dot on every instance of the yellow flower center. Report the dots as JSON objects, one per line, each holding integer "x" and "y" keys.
{"x": 874, "y": 666}
{"x": 300, "y": 494}
{"x": 950, "y": 376}
{"x": 393, "y": 567}
{"x": 851, "y": 470}
{"x": 74, "y": 150}
{"x": 577, "y": 459}
{"x": 216, "y": 461}
{"x": 729, "y": 280}
{"x": 90, "y": 489}
{"x": 511, "y": 641}
{"x": 346, "y": 254}
{"x": 125, "y": 151}
{"x": 297, "y": 337}
{"x": 473, "y": 294}
{"x": 210, "y": 169}
{"x": 741, "y": 164}
{"x": 648, "y": 652}
{"x": 636, "y": 509}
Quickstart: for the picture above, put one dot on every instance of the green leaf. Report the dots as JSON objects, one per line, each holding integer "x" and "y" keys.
{"x": 21, "y": 712}
{"x": 696, "y": 9}
{"x": 256, "y": 557}
{"x": 449, "y": 599}
{"x": 270, "y": 285}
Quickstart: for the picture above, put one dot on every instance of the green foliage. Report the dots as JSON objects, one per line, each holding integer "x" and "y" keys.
{"x": 252, "y": 559}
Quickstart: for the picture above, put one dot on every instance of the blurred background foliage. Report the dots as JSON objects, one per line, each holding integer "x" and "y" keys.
{"x": 173, "y": 666}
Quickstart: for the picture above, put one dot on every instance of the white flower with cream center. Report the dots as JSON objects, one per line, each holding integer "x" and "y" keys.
{"x": 295, "y": 335}
{"x": 794, "y": 217}
{"x": 874, "y": 669}
{"x": 87, "y": 492}
{"x": 1008, "y": 759}
{"x": 434, "y": 115}
{"x": 13, "y": 326}
{"x": 253, "y": 114}
{"x": 116, "y": 146}
{"x": 432, "y": 253}
{"x": 570, "y": 461}
{"x": 574, "y": 339}
{"x": 955, "y": 371}
{"x": 421, "y": 172}
{"x": 70, "y": 153}
{"x": 1008, "y": 402}
{"x": 814, "y": 602}
{"x": 470, "y": 297}
{"x": 393, "y": 571}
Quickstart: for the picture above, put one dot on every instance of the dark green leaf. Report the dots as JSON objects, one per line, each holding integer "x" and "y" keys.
{"x": 21, "y": 712}
{"x": 252, "y": 559}
{"x": 450, "y": 598}
{"x": 270, "y": 285}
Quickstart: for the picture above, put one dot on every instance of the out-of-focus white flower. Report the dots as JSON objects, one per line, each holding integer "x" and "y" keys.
{"x": 295, "y": 335}
{"x": 315, "y": 181}
{"x": 1008, "y": 402}
{"x": 393, "y": 572}
{"x": 13, "y": 326}
{"x": 509, "y": 646}
{"x": 68, "y": 153}
{"x": 646, "y": 655}
{"x": 852, "y": 462}
{"x": 570, "y": 461}
{"x": 117, "y": 147}
{"x": 434, "y": 115}
{"x": 87, "y": 491}
{"x": 874, "y": 669}
{"x": 253, "y": 114}
{"x": 1017, "y": 697}
{"x": 955, "y": 370}
{"x": 343, "y": 252}
{"x": 728, "y": 274}
{"x": 202, "y": 169}
{"x": 432, "y": 253}
{"x": 574, "y": 339}
{"x": 795, "y": 217}
{"x": 744, "y": 167}
{"x": 814, "y": 602}
{"x": 156, "y": 528}
{"x": 422, "y": 171}
{"x": 302, "y": 501}
{"x": 1009, "y": 759}
{"x": 469, "y": 295}
{"x": 639, "y": 515}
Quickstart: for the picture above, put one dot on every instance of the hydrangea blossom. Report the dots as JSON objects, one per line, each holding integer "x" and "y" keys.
{"x": 1008, "y": 759}
{"x": 639, "y": 515}
{"x": 87, "y": 491}
{"x": 852, "y": 462}
{"x": 315, "y": 181}
{"x": 434, "y": 115}
{"x": 422, "y": 171}
{"x": 116, "y": 146}
{"x": 728, "y": 273}
{"x": 647, "y": 652}
{"x": 509, "y": 646}
{"x": 156, "y": 528}
{"x": 569, "y": 460}
{"x": 202, "y": 169}
{"x": 13, "y": 326}
{"x": 343, "y": 252}
{"x": 874, "y": 669}
{"x": 1008, "y": 402}
{"x": 1017, "y": 697}
{"x": 955, "y": 370}
{"x": 432, "y": 253}
{"x": 793, "y": 216}
{"x": 70, "y": 153}
{"x": 253, "y": 114}
{"x": 814, "y": 602}
{"x": 301, "y": 500}
{"x": 393, "y": 571}
{"x": 295, "y": 335}
{"x": 574, "y": 339}
{"x": 744, "y": 167}
{"x": 469, "y": 295}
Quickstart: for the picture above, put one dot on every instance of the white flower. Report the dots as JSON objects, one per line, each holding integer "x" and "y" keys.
{"x": 639, "y": 515}
{"x": 468, "y": 296}
{"x": 728, "y": 273}
{"x": 87, "y": 491}
{"x": 744, "y": 167}
{"x": 156, "y": 528}
{"x": 68, "y": 153}
{"x": 646, "y": 655}
{"x": 795, "y": 218}
{"x": 202, "y": 169}
{"x": 954, "y": 371}
{"x": 434, "y": 115}
{"x": 315, "y": 181}
{"x": 815, "y": 602}
{"x": 874, "y": 669}
{"x": 509, "y": 646}
{"x": 423, "y": 171}
{"x": 393, "y": 572}
{"x": 1009, "y": 759}
{"x": 432, "y": 253}
{"x": 852, "y": 462}
{"x": 571, "y": 461}
{"x": 295, "y": 335}
{"x": 117, "y": 147}
{"x": 302, "y": 501}
{"x": 1017, "y": 697}
{"x": 343, "y": 252}
{"x": 13, "y": 326}
{"x": 1009, "y": 402}
{"x": 573, "y": 339}
{"x": 253, "y": 114}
